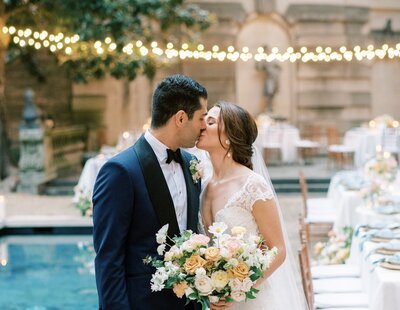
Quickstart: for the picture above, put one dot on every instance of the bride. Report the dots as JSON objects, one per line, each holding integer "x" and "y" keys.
{"x": 238, "y": 196}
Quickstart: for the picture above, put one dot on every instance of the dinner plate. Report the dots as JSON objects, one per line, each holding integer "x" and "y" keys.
{"x": 390, "y": 266}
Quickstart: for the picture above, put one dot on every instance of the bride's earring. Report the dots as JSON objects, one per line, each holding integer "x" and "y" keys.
{"x": 227, "y": 142}
{"x": 229, "y": 155}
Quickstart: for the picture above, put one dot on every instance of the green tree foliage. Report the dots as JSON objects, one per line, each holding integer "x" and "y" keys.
{"x": 122, "y": 21}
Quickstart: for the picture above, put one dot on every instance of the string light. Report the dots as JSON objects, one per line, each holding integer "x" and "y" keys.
{"x": 60, "y": 43}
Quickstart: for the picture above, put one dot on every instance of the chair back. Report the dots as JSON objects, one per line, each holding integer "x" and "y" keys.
{"x": 306, "y": 275}
{"x": 273, "y": 137}
{"x": 304, "y": 191}
{"x": 333, "y": 136}
{"x": 303, "y": 230}
{"x": 391, "y": 140}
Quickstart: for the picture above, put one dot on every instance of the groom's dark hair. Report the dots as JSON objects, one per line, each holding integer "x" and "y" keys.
{"x": 174, "y": 93}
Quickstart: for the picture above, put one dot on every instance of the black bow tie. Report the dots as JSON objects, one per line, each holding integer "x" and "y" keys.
{"x": 176, "y": 156}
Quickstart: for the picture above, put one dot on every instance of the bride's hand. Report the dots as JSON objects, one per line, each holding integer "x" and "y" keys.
{"x": 222, "y": 304}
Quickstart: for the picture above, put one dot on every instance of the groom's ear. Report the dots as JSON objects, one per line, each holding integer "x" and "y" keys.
{"x": 180, "y": 118}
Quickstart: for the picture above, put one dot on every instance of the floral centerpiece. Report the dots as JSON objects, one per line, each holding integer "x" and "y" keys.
{"x": 336, "y": 250}
{"x": 382, "y": 168}
{"x": 384, "y": 120}
{"x": 84, "y": 201}
{"x": 206, "y": 270}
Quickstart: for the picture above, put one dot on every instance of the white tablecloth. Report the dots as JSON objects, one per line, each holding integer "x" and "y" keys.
{"x": 346, "y": 200}
{"x": 364, "y": 140}
{"x": 88, "y": 176}
{"x": 288, "y": 136}
{"x": 382, "y": 285}
{"x": 352, "y": 208}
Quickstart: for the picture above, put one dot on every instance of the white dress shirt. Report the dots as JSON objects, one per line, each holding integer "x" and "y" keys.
{"x": 173, "y": 175}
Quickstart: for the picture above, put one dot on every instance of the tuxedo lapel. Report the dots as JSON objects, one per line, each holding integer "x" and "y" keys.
{"x": 157, "y": 186}
{"x": 193, "y": 191}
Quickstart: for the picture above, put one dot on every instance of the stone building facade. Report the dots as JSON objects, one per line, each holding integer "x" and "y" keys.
{"x": 342, "y": 94}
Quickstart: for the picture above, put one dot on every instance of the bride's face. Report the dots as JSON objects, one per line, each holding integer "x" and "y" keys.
{"x": 209, "y": 139}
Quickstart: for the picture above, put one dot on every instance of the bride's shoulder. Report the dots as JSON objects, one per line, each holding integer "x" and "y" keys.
{"x": 255, "y": 178}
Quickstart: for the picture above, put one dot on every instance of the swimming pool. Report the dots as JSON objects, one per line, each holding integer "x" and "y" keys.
{"x": 47, "y": 273}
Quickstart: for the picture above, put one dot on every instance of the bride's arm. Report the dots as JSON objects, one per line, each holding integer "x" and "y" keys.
{"x": 206, "y": 214}
{"x": 267, "y": 219}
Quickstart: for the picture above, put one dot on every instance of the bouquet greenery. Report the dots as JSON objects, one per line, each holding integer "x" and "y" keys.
{"x": 206, "y": 270}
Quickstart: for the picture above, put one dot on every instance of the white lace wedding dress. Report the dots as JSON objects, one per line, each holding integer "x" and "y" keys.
{"x": 238, "y": 212}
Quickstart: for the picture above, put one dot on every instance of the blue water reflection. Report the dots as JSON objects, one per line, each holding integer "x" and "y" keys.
{"x": 47, "y": 273}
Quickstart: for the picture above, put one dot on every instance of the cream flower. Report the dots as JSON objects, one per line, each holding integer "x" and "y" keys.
{"x": 204, "y": 285}
{"x": 238, "y": 230}
{"x": 247, "y": 284}
{"x": 235, "y": 284}
{"x": 219, "y": 279}
{"x": 238, "y": 296}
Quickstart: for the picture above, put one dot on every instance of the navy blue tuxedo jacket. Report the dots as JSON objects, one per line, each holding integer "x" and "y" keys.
{"x": 131, "y": 202}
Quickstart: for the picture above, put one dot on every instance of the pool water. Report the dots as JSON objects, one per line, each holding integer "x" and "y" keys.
{"x": 47, "y": 273}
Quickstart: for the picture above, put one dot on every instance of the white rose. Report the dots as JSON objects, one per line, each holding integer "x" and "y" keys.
{"x": 238, "y": 296}
{"x": 235, "y": 284}
{"x": 168, "y": 256}
{"x": 204, "y": 285}
{"x": 247, "y": 284}
{"x": 225, "y": 253}
{"x": 219, "y": 279}
{"x": 187, "y": 246}
{"x": 200, "y": 271}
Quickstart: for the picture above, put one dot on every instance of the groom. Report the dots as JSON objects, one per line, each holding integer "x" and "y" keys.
{"x": 140, "y": 190}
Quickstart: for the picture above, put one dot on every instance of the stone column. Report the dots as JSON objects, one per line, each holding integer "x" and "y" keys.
{"x": 35, "y": 161}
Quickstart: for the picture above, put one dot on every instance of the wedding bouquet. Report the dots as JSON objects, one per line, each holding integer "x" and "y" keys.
{"x": 336, "y": 250}
{"x": 206, "y": 270}
{"x": 382, "y": 167}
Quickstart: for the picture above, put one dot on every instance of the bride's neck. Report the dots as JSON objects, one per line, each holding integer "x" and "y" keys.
{"x": 222, "y": 165}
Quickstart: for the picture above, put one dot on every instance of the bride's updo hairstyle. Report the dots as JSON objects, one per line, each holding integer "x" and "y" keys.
{"x": 241, "y": 131}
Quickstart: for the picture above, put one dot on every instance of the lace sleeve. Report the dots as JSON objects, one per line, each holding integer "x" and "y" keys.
{"x": 257, "y": 189}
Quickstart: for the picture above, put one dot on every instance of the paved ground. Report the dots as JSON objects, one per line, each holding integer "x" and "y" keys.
{"x": 32, "y": 205}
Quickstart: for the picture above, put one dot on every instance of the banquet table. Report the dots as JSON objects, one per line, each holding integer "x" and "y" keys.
{"x": 381, "y": 285}
{"x": 352, "y": 209}
{"x": 287, "y": 137}
{"x": 89, "y": 173}
{"x": 364, "y": 141}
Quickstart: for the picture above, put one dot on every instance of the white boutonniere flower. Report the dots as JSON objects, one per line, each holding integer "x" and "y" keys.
{"x": 196, "y": 170}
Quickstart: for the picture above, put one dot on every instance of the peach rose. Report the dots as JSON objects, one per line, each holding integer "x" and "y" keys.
{"x": 180, "y": 288}
{"x": 212, "y": 254}
{"x": 240, "y": 271}
{"x": 194, "y": 262}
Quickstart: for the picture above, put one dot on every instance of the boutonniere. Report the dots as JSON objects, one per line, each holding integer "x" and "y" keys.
{"x": 195, "y": 169}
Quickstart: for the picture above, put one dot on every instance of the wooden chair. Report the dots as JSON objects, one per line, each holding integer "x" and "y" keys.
{"x": 336, "y": 294}
{"x": 307, "y": 148}
{"x": 340, "y": 154}
{"x": 306, "y": 276}
{"x": 272, "y": 145}
{"x": 318, "y": 212}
